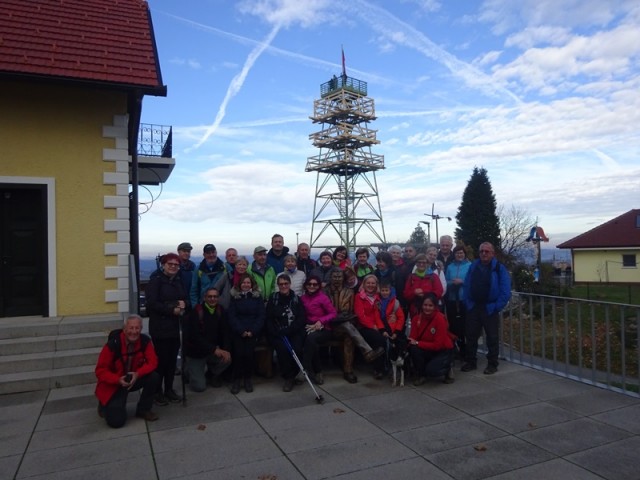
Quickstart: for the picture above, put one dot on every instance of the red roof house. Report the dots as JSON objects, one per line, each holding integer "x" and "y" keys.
{"x": 608, "y": 252}
{"x": 73, "y": 74}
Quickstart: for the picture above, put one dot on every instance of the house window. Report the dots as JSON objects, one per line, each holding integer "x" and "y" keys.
{"x": 629, "y": 261}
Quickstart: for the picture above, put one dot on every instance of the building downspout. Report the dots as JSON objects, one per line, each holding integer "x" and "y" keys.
{"x": 134, "y": 107}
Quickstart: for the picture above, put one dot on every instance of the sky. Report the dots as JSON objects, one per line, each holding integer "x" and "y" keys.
{"x": 543, "y": 94}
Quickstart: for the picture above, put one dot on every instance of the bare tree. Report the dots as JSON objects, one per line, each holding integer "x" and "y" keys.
{"x": 515, "y": 226}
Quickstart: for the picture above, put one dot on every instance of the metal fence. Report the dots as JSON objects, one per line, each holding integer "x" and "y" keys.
{"x": 585, "y": 340}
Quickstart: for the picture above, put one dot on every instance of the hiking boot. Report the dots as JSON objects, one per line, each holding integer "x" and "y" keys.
{"x": 350, "y": 377}
{"x": 371, "y": 355}
{"x": 215, "y": 382}
{"x": 288, "y": 385}
{"x": 468, "y": 366}
{"x": 448, "y": 378}
{"x": 490, "y": 370}
{"x": 317, "y": 378}
{"x": 419, "y": 381}
{"x": 160, "y": 399}
{"x": 378, "y": 375}
{"x": 235, "y": 388}
{"x": 149, "y": 416}
{"x": 172, "y": 397}
{"x": 248, "y": 386}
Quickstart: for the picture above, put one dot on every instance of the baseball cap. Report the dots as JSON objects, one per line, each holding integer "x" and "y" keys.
{"x": 259, "y": 249}
{"x": 185, "y": 246}
{"x": 209, "y": 247}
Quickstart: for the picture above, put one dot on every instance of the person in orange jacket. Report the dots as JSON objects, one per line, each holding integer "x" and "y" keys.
{"x": 126, "y": 363}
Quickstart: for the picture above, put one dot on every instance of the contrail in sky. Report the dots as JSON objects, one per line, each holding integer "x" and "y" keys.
{"x": 236, "y": 84}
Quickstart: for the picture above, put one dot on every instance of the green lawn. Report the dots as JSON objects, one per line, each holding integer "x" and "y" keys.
{"x": 607, "y": 293}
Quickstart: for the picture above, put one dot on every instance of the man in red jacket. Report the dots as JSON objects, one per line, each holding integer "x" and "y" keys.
{"x": 126, "y": 363}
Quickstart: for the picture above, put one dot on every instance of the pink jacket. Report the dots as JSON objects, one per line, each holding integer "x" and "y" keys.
{"x": 319, "y": 307}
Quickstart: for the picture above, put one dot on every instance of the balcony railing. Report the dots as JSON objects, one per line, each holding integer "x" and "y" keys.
{"x": 588, "y": 341}
{"x": 155, "y": 140}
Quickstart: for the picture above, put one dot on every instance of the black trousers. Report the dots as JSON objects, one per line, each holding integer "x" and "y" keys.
{"x": 243, "y": 356}
{"x": 430, "y": 363}
{"x": 167, "y": 352}
{"x": 288, "y": 367}
{"x": 115, "y": 411}
{"x": 478, "y": 319}
{"x": 376, "y": 340}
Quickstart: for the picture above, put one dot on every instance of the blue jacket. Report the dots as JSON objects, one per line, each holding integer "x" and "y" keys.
{"x": 499, "y": 291}
{"x": 456, "y": 270}
{"x": 205, "y": 277}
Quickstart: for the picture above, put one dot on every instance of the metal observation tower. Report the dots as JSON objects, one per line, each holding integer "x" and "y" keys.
{"x": 346, "y": 199}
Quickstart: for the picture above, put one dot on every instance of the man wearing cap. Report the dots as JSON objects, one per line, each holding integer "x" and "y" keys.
{"x": 263, "y": 273}
{"x": 186, "y": 265}
{"x": 209, "y": 272}
{"x": 275, "y": 256}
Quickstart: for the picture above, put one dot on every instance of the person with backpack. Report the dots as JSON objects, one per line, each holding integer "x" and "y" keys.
{"x": 208, "y": 274}
{"x": 487, "y": 288}
{"x": 207, "y": 342}
{"x": 420, "y": 282}
{"x": 127, "y": 363}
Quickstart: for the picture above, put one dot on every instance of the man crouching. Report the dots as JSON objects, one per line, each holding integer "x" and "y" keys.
{"x": 126, "y": 363}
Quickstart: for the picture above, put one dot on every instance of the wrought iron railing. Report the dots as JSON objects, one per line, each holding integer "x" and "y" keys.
{"x": 155, "y": 140}
{"x": 589, "y": 341}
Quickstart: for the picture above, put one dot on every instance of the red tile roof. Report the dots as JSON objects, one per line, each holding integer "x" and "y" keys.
{"x": 621, "y": 232}
{"x": 104, "y": 41}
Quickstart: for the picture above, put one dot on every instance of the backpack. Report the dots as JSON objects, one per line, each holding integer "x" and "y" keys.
{"x": 115, "y": 345}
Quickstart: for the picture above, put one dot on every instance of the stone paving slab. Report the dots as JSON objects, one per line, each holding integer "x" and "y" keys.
{"x": 557, "y": 468}
{"x": 527, "y": 417}
{"x": 573, "y": 436}
{"x": 507, "y": 426}
{"x": 489, "y": 458}
{"x": 445, "y": 436}
{"x": 68, "y": 458}
{"x": 339, "y": 458}
{"x": 614, "y": 461}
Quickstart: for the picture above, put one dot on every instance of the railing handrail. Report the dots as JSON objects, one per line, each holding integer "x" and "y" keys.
{"x": 573, "y": 299}
{"x": 155, "y": 140}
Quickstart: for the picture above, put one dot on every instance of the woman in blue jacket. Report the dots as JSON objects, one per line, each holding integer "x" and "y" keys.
{"x": 456, "y": 311}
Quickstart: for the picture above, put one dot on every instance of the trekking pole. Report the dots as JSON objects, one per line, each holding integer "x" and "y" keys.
{"x": 319, "y": 398}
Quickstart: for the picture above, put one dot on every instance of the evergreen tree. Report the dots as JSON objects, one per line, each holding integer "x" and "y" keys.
{"x": 418, "y": 238}
{"x": 477, "y": 218}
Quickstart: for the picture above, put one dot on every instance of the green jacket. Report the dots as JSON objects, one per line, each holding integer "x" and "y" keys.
{"x": 266, "y": 282}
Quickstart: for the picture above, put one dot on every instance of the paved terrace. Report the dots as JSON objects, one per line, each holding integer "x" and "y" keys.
{"x": 518, "y": 424}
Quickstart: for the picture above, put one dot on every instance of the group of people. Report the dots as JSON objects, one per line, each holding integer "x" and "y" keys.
{"x": 425, "y": 305}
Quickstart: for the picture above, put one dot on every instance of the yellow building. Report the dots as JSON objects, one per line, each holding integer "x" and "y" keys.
{"x": 608, "y": 253}
{"x": 72, "y": 78}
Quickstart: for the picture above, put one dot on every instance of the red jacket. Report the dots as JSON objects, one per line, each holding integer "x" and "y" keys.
{"x": 368, "y": 313}
{"x": 110, "y": 368}
{"x": 393, "y": 307}
{"x": 430, "y": 283}
{"x": 431, "y": 333}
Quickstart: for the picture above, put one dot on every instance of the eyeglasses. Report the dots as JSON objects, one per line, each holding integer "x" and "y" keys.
{"x": 284, "y": 284}
{"x": 485, "y": 251}
{"x": 211, "y": 296}
{"x": 312, "y": 284}
{"x": 173, "y": 264}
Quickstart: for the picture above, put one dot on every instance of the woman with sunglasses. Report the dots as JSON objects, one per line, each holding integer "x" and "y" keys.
{"x": 286, "y": 318}
{"x": 319, "y": 312}
{"x": 166, "y": 304}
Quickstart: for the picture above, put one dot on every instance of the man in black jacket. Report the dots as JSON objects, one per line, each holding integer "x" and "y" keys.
{"x": 207, "y": 343}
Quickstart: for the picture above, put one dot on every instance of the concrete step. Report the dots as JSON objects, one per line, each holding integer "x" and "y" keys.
{"x": 47, "y": 360}
{"x": 46, "y": 379}
{"x": 18, "y": 346}
{"x": 32, "y": 327}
